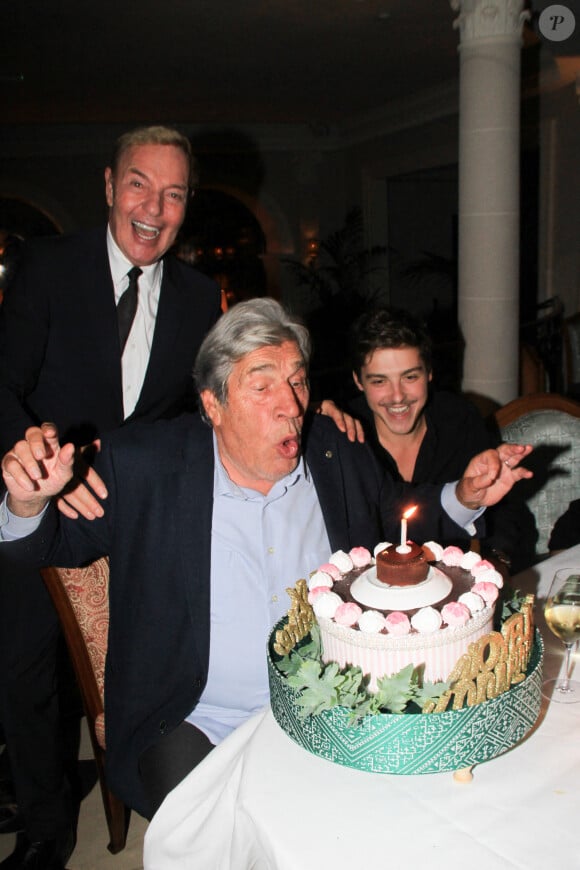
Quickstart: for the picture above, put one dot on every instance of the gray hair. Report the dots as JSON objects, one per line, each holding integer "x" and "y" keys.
{"x": 246, "y": 327}
{"x": 155, "y": 135}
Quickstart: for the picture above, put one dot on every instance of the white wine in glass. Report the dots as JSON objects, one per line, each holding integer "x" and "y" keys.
{"x": 562, "y": 613}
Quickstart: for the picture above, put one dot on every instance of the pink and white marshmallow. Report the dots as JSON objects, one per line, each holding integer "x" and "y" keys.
{"x": 490, "y": 575}
{"x": 397, "y": 623}
{"x": 488, "y": 591}
{"x": 326, "y": 605}
{"x": 371, "y": 622}
{"x": 427, "y": 620}
{"x": 455, "y": 614}
{"x": 481, "y": 565}
{"x": 360, "y": 556}
{"x": 452, "y": 556}
{"x": 314, "y": 593}
{"x": 469, "y": 559}
{"x": 472, "y": 601}
{"x": 342, "y": 561}
{"x": 347, "y": 614}
{"x": 331, "y": 570}
{"x": 320, "y": 578}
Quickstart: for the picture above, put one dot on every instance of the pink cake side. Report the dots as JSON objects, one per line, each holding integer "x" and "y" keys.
{"x": 381, "y": 655}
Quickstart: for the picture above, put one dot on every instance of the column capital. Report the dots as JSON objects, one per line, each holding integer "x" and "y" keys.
{"x": 484, "y": 20}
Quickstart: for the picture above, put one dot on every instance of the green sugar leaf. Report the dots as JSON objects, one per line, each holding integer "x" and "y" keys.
{"x": 395, "y": 692}
{"x": 323, "y": 687}
{"x": 308, "y": 648}
{"x": 429, "y": 692}
{"x": 319, "y": 687}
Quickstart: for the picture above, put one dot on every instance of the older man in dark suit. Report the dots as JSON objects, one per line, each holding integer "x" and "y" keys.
{"x": 66, "y": 356}
{"x": 206, "y": 528}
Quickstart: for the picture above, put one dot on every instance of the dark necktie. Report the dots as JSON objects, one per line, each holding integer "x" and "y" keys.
{"x": 127, "y": 306}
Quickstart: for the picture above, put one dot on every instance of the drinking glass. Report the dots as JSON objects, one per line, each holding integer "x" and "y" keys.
{"x": 562, "y": 612}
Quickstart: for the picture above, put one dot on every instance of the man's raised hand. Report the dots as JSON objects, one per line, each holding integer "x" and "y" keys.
{"x": 36, "y": 469}
{"x": 490, "y": 475}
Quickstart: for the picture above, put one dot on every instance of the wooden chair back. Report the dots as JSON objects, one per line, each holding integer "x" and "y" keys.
{"x": 81, "y": 600}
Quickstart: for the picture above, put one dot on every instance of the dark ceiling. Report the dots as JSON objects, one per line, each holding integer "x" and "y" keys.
{"x": 225, "y": 61}
{"x": 221, "y": 61}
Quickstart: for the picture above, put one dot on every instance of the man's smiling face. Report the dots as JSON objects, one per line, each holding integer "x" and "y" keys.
{"x": 396, "y": 386}
{"x": 147, "y": 198}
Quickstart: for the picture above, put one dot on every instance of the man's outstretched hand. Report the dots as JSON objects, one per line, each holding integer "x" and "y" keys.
{"x": 490, "y": 475}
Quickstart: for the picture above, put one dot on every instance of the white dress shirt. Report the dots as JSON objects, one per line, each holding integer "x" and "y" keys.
{"x": 137, "y": 351}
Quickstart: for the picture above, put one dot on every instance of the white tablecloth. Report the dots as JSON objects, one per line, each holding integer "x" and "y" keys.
{"x": 260, "y": 802}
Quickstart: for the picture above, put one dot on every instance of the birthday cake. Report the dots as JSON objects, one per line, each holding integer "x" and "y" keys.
{"x": 399, "y": 609}
{"x": 355, "y": 651}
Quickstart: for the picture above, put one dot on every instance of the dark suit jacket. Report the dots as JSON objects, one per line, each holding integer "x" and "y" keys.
{"x": 157, "y": 531}
{"x": 59, "y": 349}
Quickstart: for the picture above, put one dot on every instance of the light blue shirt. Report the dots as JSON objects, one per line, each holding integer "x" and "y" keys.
{"x": 463, "y": 516}
{"x": 261, "y": 545}
{"x": 13, "y": 528}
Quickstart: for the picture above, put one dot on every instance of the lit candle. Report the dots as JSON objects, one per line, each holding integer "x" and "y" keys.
{"x": 403, "y": 531}
{"x": 403, "y": 547}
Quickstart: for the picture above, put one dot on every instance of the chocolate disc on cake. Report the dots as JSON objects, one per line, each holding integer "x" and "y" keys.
{"x": 398, "y": 568}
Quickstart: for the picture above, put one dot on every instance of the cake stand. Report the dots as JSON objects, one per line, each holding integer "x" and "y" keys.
{"x": 454, "y": 740}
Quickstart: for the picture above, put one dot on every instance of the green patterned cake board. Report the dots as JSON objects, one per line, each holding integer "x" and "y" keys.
{"x": 413, "y": 743}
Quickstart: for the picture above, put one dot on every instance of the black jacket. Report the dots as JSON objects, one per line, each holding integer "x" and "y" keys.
{"x": 59, "y": 348}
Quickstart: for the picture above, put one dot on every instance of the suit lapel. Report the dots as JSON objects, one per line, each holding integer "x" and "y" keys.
{"x": 100, "y": 312}
{"x": 322, "y": 456}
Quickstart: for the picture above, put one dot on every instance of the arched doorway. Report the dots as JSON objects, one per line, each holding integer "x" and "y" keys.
{"x": 19, "y": 220}
{"x": 223, "y": 239}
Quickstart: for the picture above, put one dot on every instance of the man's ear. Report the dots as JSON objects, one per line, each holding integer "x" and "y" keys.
{"x": 357, "y": 382}
{"x": 211, "y": 406}
{"x": 109, "y": 186}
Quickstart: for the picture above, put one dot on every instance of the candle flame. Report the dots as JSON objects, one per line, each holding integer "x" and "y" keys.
{"x": 409, "y": 512}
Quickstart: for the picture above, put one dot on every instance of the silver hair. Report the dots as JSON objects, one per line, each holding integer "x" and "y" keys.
{"x": 246, "y": 327}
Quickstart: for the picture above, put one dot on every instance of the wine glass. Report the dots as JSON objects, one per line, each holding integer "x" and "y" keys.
{"x": 562, "y": 612}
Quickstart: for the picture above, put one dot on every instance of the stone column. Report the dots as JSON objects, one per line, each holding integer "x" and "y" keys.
{"x": 489, "y": 142}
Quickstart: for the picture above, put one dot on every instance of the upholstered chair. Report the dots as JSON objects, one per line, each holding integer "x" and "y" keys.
{"x": 551, "y": 423}
{"x": 81, "y": 599}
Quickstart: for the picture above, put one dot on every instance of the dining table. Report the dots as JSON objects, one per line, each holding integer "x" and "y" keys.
{"x": 261, "y": 802}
